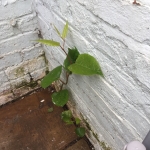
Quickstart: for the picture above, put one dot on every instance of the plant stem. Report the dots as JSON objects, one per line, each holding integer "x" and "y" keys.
{"x": 64, "y": 83}
{"x": 62, "y": 47}
{"x": 63, "y": 50}
{"x": 64, "y": 43}
{"x": 69, "y": 59}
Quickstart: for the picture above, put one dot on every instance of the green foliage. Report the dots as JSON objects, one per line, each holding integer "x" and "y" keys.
{"x": 51, "y": 77}
{"x": 80, "y": 131}
{"x": 86, "y": 65}
{"x": 49, "y": 42}
{"x": 75, "y": 63}
{"x": 60, "y": 98}
{"x": 71, "y": 57}
{"x": 66, "y": 116}
{"x": 77, "y": 121}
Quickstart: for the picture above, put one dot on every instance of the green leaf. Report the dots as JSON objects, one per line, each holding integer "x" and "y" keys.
{"x": 77, "y": 120}
{"x": 66, "y": 117}
{"x": 51, "y": 77}
{"x": 60, "y": 98}
{"x": 80, "y": 131}
{"x": 57, "y": 30}
{"x": 50, "y": 110}
{"x": 69, "y": 122}
{"x": 71, "y": 57}
{"x": 65, "y": 30}
{"x": 49, "y": 42}
{"x": 86, "y": 65}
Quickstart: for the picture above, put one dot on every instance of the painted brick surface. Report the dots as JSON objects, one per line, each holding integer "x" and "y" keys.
{"x": 21, "y": 59}
{"x": 15, "y": 8}
{"x": 117, "y": 34}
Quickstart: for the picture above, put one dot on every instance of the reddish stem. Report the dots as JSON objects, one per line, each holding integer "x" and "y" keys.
{"x": 69, "y": 59}
{"x": 136, "y": 3}
{"x": 64, "y": 83}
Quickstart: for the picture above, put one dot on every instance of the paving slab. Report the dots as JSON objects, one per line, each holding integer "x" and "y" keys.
{"x": 26, "y": 125}
{"x": 80, "y": 145}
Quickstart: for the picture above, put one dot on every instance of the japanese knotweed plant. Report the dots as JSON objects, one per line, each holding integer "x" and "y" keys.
{"x": 75, "y": 63}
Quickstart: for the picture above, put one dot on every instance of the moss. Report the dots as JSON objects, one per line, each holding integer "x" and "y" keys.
{"x": 46, "y": 62}
{"x": 19, "y": 71}
{"x": 103, "y": 145}
{"x": 23, "y": 83}
{"x": 96, "y": 136}
{"x": 31, "y": 84}
{"x": 87, "y": 124}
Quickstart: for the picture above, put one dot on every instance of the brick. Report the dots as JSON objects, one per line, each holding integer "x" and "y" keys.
{"x": 10, "y": 60}
{"x": 5, "y": 88}
{"x": 39, "y": 74}
{"x": 36, "y": 64}
{"x": 17, "y": 71}
{"x": 6, "y": 98}
{"x": 32, "y": 52}
{"x": 21, "y": 91}
{"x": 18, "y": 42}
{"x": 24, "y": 24}
{"x": 19, "y": 54}
{"x": 3, "y": 77}
{"x": 15, "y": 12}
{"x": 5, "y": 30}
{"x": 127, "y": 20}
{"x": 20, "y": 82}
{"x": 27, "y": 23}
{"x": 26, "y": 67}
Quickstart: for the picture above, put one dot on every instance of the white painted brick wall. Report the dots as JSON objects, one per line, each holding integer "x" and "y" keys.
{"x": 117, "y": 33}
{"x": 19, "y": 54}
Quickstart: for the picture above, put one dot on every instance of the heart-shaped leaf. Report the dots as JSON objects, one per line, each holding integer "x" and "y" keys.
{"x": 51, "y": 77}
{"x": 86, "y": 65}
{"x": 60, "y": 98}
{"x": 49, "y": 42}
{"x": 80, "y": 131}
{"x": 71, "y": 57}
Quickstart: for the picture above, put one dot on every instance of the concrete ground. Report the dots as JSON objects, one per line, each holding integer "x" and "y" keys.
{"x": 25, "y": 124}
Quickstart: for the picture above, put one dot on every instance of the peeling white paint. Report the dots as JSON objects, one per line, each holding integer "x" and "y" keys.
{"x": 6, "y": 2}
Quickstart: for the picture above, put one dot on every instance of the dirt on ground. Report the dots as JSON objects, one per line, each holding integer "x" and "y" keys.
{"x": 25, "y": 124}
